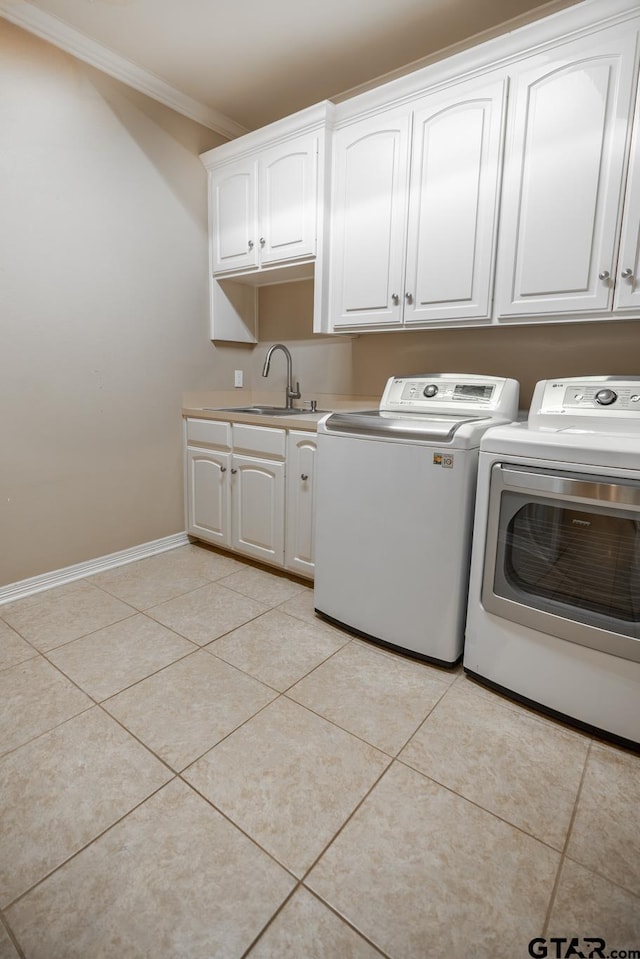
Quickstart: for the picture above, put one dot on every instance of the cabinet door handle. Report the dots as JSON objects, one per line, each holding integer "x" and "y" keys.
{"x": 395, "y": 298}
{"x": 223, "y": 469}
{"x": 408, "y": 297}
{"x": 604, "y": 275}
{"x": 304, "y": 476}
{"x": 262, "y": 241}
{"x": 234, "y": 471}
{"x": 627, "y": 274}
{"x": 251, "y": 244}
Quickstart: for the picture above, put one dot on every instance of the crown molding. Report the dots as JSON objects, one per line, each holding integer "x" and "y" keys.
{"x": 61, "y": 35}
{"x": 494, "y": 49}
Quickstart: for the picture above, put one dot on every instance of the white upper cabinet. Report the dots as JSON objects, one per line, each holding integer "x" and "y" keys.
{"x": 500, "y": 185}
{"x": 368, "y": 215}
{"x": 627, "y": 277}
{"x": 414, "y": 211}
{"x": 264, "y": 209}
{"x": 567, "y": 143}
{"x": 453, "y": 203}
{"x": 234, "y": 211}
{"x": 288, "y": 201}
{"x": 266, "y": 216}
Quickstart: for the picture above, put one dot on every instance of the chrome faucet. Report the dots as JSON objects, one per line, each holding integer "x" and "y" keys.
{"x": 290, "y": 394}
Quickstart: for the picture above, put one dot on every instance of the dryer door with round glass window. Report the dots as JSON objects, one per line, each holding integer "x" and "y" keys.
{"x": 563, "y": 556}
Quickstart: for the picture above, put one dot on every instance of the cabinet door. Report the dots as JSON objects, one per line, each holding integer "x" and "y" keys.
{"x": 234, "y": 208}
{"x": 301, "y": 451}
{"x": 257, "y": 526}
{"x": 453, "y": 202}
{"x": 627, "y": 282}
{"x": 288, "y": 200}
{"x": 563, "y": 176}
{"x": 368, "y": 215}
{"x": 208, "y": 515}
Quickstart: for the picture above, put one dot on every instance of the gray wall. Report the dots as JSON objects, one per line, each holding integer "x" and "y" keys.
{"x": 361, "y": 365}
{"x": 103, "y": 308}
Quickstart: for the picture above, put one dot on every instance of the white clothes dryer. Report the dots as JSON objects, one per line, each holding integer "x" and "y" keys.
{"x": 554, "y": 594}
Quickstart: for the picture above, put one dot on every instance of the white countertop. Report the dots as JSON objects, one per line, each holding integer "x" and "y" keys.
{"x": 215, "y": 405}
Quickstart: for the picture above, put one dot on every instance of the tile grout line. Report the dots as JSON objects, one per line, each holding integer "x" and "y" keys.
{"x": 4, "y": 924}
{"x": 196, "y": 648}
{"x": 300, "y": 886}
{"x": 336, "y": 725}
{"x": 299, "y": 880}
{"x": 347, "y": 921}
{"x": 99, "y": 702}
{"x": 421, "y": 724}
{"x": 353, "y": 812}
{"x": 52, "y": 649}
{"x": 271, "y": 920}
{"x": 594, "y": 743}
{"x": 563, "y": 851}
{"x": 281, "y": 692}
{"x": 239, "y": 828}
{"x": 50, "y": 729}
{"x": 473, "y": 802}
{"x": 226, "y": 736}
{"x": 480, "y": 692}
{"x": 86, "y": 846}
{"x": 95, "y": 702}
{"x": 23, "y": 638}
{"x": 333, "y": 722}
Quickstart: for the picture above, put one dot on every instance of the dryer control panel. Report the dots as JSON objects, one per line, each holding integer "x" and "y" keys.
{"x": 608, "y": 404}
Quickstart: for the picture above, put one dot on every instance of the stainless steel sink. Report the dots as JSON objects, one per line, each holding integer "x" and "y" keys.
{"x": 267, "y": 410}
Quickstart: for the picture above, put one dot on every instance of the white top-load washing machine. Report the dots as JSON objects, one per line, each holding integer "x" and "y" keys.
{"x": 394, "y": 509}
{"x": 554, "y": 595}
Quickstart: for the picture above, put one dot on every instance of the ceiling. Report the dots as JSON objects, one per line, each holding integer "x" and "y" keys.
{"x": 254, "y": 61}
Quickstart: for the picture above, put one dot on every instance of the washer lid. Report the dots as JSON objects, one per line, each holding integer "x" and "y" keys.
{"x": 412, "y": 426}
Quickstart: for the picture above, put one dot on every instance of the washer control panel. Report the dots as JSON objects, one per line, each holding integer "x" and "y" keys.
{"x": 451, "y": 393}
{"x": 605, "y": 403}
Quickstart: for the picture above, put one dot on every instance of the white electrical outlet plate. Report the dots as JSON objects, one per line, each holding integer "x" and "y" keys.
{"x": 237, "y": 378}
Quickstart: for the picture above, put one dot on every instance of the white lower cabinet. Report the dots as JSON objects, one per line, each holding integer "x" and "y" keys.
{"x": 299, "y": 542}
{"x": 245, "y": 486}
{"x": 257, "y": 508}
{"x": 207, "y": 498}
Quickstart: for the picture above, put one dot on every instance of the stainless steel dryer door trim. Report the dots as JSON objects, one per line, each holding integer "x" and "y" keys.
{"x": 617, "y": 498}
{"x": 579, "y": 488}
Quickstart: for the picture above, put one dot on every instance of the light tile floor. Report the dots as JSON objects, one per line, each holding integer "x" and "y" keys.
{"x": 194, "y": 766}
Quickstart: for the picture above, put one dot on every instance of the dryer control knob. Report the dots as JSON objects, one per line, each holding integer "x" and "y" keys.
{"x": 606, "y": 397}
{"x": 430, "y": 390}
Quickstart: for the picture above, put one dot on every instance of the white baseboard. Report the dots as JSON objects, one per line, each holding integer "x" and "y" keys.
{"x": 36, "y": 584}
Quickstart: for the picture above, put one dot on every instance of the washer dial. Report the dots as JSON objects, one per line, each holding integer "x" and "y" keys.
{"x": 606, "y": 397}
